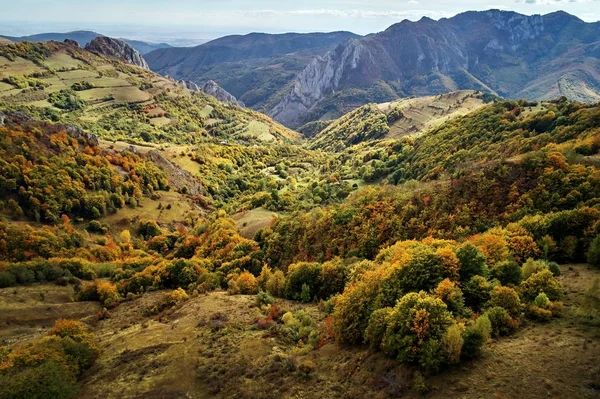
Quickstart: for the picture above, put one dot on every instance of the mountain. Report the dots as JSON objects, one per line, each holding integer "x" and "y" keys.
{"x": 118, "y": 49}
{"x": 117, "y": 101}
{"x": 501, "y": 52}
{"x": 84, "y": 37}
{"x": 251, "y": 67}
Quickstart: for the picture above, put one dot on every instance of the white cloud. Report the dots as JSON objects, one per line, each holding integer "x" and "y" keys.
{"x": 347, "y": 13}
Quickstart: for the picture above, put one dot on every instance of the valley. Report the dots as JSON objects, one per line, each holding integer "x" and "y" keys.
{"x": 421, "y": 236}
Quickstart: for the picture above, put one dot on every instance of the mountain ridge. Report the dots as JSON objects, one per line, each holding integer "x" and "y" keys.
{"x": 83, "y": 37}
{"x": 497, "y": 51}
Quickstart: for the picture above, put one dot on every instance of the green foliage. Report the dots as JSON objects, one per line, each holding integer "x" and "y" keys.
{"x": 303, "y": 279}
{"x": 508, "y": 299}
{"x": 472, "y": 261}
{"x": 81, "y": 86}
{"x": 363, "y": 124}
{"x": 542, "y": 281}
{"x": 593, "y": 254}
{"x": 49, "y": 367}
{"x": 542, "y": 301}
{"x": 264, "y": 299}
{"x": 353, "y": 310}
{"x": 508, "y": 273}
{"x": 501, "y": 322}
{"x": 377, "y": 327}
{"x": 477, "y": 292}
{"x": 67, "y": 100}
{"x": 415, "y": 330}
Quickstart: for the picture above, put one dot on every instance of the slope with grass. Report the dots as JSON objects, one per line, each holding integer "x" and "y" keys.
{"x": 396, "y": 119}
{"x": 116, "y": 101}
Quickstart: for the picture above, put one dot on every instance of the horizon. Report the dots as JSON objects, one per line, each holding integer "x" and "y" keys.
{"x": 187, "y": 28}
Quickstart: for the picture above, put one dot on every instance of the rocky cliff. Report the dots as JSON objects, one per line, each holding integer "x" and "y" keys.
{"x": 213, "y": 89}
{"x": 117, "y": 48}
{"x": 504, "y": 53}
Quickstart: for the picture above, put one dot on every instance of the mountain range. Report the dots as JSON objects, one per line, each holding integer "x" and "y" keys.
{"x": 84, "y": 37}
{"x": 252, "y": 67}
{"x": 504, "y": 53}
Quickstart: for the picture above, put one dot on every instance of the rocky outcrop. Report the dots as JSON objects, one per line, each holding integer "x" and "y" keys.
{"x": 72, "y": 42}
{"x": 177, "y": 177}
{"x": 81, "y": 136}
{"x": 118, "y": 49}
{"x": 212, "y": 89}
{"x": 473, "y": 50}
{"x": 188, "y": 84}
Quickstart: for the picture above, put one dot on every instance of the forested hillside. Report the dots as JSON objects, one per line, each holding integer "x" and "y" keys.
{"x": 204, "y": 259}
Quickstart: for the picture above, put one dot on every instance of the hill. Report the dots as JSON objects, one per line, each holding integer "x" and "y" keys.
{"x": 251, "y": 67}
{"x": 396, "y": 119}
{"x": 83, "y": 38}
{"x": 504, "y": 53}
{"x": 437, "y": 277}
{"x": 117, "y": 101}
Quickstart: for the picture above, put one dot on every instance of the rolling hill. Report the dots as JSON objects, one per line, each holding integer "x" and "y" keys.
{"x": 251, "y": 67}
{"x": 395, "y": 120}
{"x": 60, "y": 82}
{"x": 83, "y": 38}
{"x": 504, "y": 53}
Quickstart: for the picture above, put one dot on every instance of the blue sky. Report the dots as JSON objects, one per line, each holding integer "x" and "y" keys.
{"x": 200, "y": 19}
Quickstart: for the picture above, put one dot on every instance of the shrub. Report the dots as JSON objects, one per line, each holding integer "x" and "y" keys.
{"x": 539, "y": 282}
{"x": 452, "y": 296}
{"x": 300, "y": 274}
{"x": 103, "y": 291}
{"x": 244, "y": 283}
{"x": 333, "y": 278}
{"x": 7, "y": 279}
{"x": 473, "y": 341}
{"x": 593, "y": 254}
{"x": 149, "y": 229}
{"x": 276, "y": 283}
{"x": 353, "y": 309}
{"x": 508, "y": 273}
{"x": 419, "y": 269}
{"x": 502, "y": 323}
{"x": 506, "y": 298}
{"x": 477, "y": 292}
{"x": 416, "y": 329}
{"x": 453, "y": 343}
{"x": 542, "y": 301}
{"x": 472, "y": 261}
{"x": 533, "y": 266}
{"x": 484, "y": 325}
{"x": 264, "y": 298}
{"x": 48, "y": 379}
{"x": 377, "y": 326}
{"x": 554, "y": 268}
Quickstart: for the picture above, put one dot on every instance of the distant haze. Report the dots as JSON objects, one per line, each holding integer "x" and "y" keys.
{"x": 190, "y": 22}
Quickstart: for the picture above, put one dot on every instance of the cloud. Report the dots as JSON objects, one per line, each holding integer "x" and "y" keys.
{"x": 367, "y": 14}
{"x": 552, "y": 2}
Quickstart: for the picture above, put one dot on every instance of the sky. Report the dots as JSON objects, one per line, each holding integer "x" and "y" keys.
{"x": 191, "y": 21}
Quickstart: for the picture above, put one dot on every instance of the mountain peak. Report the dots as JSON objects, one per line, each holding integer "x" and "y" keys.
{"x": 118, "y": 49}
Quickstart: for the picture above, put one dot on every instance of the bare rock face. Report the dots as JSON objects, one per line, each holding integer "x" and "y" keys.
{"x": 118, "y": 49}
{"x": 72, "y": 42}
{"x": 212, "y": 89}
{"x": 471, "y": 51}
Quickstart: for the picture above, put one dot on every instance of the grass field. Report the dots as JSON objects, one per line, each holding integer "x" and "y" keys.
{"x": 249, "y": 222}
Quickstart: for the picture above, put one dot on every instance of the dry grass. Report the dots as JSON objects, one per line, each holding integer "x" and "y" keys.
{"x": 249, "y": 222}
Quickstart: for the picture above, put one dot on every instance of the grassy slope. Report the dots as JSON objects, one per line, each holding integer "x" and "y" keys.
{"x": 418, "y": 115}
{"x": 124, "y": 100}
{"x": 172, "y": 354}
